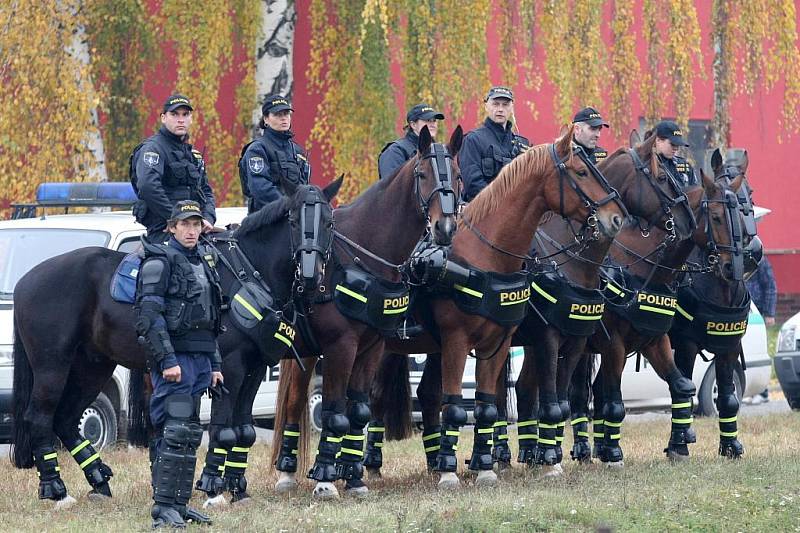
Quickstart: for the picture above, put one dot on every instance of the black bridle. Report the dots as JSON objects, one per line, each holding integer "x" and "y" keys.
{"x": 442, "y": 165}
{"x": 311, "y": 245}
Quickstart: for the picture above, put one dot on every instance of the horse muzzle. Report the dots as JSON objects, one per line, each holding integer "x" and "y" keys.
{"x": 443, "y": 230}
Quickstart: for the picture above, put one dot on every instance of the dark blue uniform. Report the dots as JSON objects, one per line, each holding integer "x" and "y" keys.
{"x": 486, "y": 150}
{"x": 165, "y": 170}
{"x": 595, "y": 154}
{"x": 265, "y": 161}
{"x": 396, "y": 153}
{"x": 681, "y": 170}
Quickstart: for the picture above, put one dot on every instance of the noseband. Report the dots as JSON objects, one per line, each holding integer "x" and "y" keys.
{"x": 442, "y": 165}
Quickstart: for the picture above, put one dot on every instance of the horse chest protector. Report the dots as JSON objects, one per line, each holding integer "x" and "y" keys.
{"x": 650, "y": 310}
{"x": 363, "y": 297}
{"x": 501, "y": 298}
{"x": 573, "y": 310}
{"x": 251, "y": 310}
{"x": 716, "y": 328}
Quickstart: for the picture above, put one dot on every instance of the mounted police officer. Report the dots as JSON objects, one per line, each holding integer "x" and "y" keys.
{"x": 588, "y": 127}
{"x": 272, "y": 156}
{"x": 669, "y": 140}
{"x": 178, "y": 304}
{"x": 489, "y": 148}
{"x": 397, "y": 152}
{"x": 165, "y": 169}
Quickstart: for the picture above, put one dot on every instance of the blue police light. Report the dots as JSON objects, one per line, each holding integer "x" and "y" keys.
{"x": 85, "y": 194}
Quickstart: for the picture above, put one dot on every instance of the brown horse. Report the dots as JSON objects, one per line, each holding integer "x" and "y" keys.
{"x": 639, "y": 321}
{"x": 376, "y": 235}
{"x": 495, "y": 233}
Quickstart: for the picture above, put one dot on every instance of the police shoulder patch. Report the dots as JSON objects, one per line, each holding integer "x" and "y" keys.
{"x": 256, "y": 164}
{"x": 150, "y": 158}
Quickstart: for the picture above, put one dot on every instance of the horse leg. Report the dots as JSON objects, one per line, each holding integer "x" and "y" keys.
{"x": 501, "y": 452}
{"x": 373, "y": 454}
{"x": 613, "y": 363}
{"x": 293, "y": 387}
{"x": 546, "y": 453}
{"x": 429, "y": 394}
{"x": 527, "y": 388}
{"x": 93, "y": 373}
{"x": 728, "y": 406}
{"x": 579, "y": 405}
{"x": 454, "y": 358}
{"x": 598, "y": 424}
{"x": 570, "y": 353}
{"x": 685, "y": 356}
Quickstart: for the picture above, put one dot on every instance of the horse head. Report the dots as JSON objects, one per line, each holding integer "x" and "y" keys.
{"x": 438, "y": 183}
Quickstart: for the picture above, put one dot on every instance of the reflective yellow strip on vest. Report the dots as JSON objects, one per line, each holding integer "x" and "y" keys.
{"x": 467, "y": 290}
{"x": 240, "y": 450}
{"x": 652, "y": 309}
{"x": 686, "y": 315}
{"x": 681, "y": 405}
{"x": 49, "y": 456}
{"x": 79, "y": 447}
{"x": 614, "y": 289}
{"x": 682, "y": 420}
{"x": 579, "y": 420}
{"x": 726, "y": 420}
{"x": 429, "y": 437}
{"x": 524, "y": 300}
{"x": 235, "y": 465}
{"x": 351, "y": 293}
{"x": 728, "y": 434}
{"x": 283, "y": 339}
{"x": 708, "y": 332}
{"x": 395, "y": 311}
{"x": 432, "y": 448}
{"x": 377, "y": 429}
{"x": 89, "y": 460}
{"x": 221, "y": 451}
{"x": 246, "y": 305}
{"x": 289, "y": 433}
{"x": 528, "y": 437}
{"x": 526, "y": 423}
{"x": 544, "y": 293}
{"x": 351, "y": 451}
{"x": 585, "y": 317}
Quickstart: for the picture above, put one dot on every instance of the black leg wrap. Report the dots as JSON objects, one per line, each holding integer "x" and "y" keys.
{"x": 598, "y": 435}
{"x": 613, "y": 414}
{"x": 681, "y": 423}
{"x": 236, "y": 462}
{"x": 546, "y": 452}
{"x": 51, "y": 486}
{"x": 334, "y": 427}
{"x": 373, "y": 456}
{"x": 485, "y": 417}
{"x": 454, "y": 416}
{"x": 96, "y": 472}
{"x": 581, "y": 451}
{"x": 501, "y": 453}
{"x": 211, "y": 479}
{"x": 728, "y": 407}
{"x": 349, "y": 464}
{"x": 528, "y": 436}
{"x": 431, "y": 438}
{"x": 287, "y": 457}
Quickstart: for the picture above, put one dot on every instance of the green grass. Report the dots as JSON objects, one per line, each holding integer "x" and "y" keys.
{"x": 757, "y": 493}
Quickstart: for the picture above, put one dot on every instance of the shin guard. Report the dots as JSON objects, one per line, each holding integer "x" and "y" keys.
{"x": 97, "y": 473}
{"x": 453, "y": 417}
{"x": 430, "y": 442}
{"x": 373, "y": 456}
{"x": 728, "y": 407}
{"x": 613, "y": 414}
{"x": 51, "y": 486}
{"x": 334, "y": 426}
{"x": 598, "y": 434}
{"x": 549, "y": 417}
{"x": 681, "y": 421}
{"x": 211, "y": 479}
{"x": 351, "y": 454}
{"x": 236, "y": 462}
{"x": 501, "y": 453}
{"x": 485, "y": 417}
{"x": 287, "y": 456}
{"x": 527, "y": 436}
{"x": 580, "y": 437}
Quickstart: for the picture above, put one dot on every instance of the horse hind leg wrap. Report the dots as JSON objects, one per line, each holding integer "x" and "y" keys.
{"x": 431, "y": 438}
{"x": 560, "y": 427}
{"x": 501, "y": 453}
{"x": 96, "y": 472}
{"x": 287, "y": 456}
{"x": 454, "y": 416}
{"x": 581, "y": 451}
{"x": 528, "y": 437}
{"x": 546, "y": 452}
{"x": 352, "y": 451}
{"x": 681, "y": 422}
{"x": 598, "y": 435}
{"x": 485, "y": 417}
{"x": 613, "y": 414}
{"x": 373, "y": 456}
{"x": 212, "y": 480}
{"x": 236, "y": 462}
{"x": 51, "y": 486}
{"x": 334, "y": 426}
{"x": 728, "y": 407}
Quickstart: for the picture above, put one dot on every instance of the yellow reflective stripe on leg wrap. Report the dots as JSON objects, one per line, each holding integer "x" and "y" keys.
{"x": 681, "y": 405}
{"x": 526, "y": 423}
{"x": 288, "y": 433}
{"x": 502, "y": 437}
{"x": 351, "y": 451}
{"x": 431, "y": 436}
{"x": 354, "y": 437}
{"x": 221, "y": 451}
{"x": 485, "y": 430}
{"x": 727, "y": 420}
{"x": 501, "y": 423}
{"x": 559, "y": 439}
{"x": 551, "y": 442}
{"x": 253, "y": 311}
{"x": 294, "y": 452}
{"x": 49, "y": 456}
{"x": 543, "y": 425}
{"x": 579, "y": 420}
{"x": 561, "y": 424}
{"x": 90, "y": 460}
{"x": 240, "y": 450}
{"x": 235, "y": 465}
{"x": 728, "y": 433}
{"x": 528, "y": 437}
{"x": 376, "y": 429}
{"x": 683, "y": 420}
{"x": 614, "y": 437}
{"x": 432, "y": 448}
{"x": 335, "y": 440}
{"x": 378, "y": 444}
{"x": 583, "y": 434}
{"x": 351, "y": 293}
{"x": 79, "y": 447}
{"x": 613, "y": 424}
{"x": 452, "y": 433}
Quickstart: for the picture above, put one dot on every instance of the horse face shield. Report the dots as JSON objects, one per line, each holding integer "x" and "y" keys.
{"x": 315, "y": 236}
{"x": 444, "y": 226}
{"x": 730, "y": 255}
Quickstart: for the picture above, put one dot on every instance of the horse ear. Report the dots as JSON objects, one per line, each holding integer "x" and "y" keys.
{"x": 332, "y": 189}
{"x": 562, "y": 131}
{"x": 455, "y": 141}
{"x": 745, "y": 162}
{"x": 695, "y": 195}
{"x": 425, "y": 140}
{"x": 708, "y": 183}
{"x": 716, "y": 161}
{"x": 564, "y": 142}
{"x": 737, "y": 182}
{"x": 634, "y": 138}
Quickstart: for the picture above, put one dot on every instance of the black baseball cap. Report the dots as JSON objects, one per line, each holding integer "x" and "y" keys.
{"x": 175, "y": 101}
{"x": 499, "y": 91}
{"x": 275, "y": 103}
{"x": 423, "y": 112}
{"x": 590, "y": 116}
{"x": 666, "y": 129}
{"x": 186, "y": 209}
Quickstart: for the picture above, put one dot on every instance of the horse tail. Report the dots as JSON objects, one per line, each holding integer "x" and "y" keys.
{"x": 285, "y": 384}
{"x": 137, "y": 409}
{"x": 391, "y": 395}
{"x": 22, "y": 456}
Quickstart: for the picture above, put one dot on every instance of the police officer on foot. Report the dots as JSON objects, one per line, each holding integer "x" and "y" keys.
{"x": 588, "y": 127}
{"x": 272, "y": 157}
{"x": 669, "y": 140}
{"x": 165, "y": 169}
{"x": 396, "y": 153}
{"x": 489, "y": 148}
{"x": 178, "y": 302}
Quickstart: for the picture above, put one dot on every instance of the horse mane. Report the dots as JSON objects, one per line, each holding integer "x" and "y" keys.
{"x": 266, "y": 216}
{"x": 535, "y": 160}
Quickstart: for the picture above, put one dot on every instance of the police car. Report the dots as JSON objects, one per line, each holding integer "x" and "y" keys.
{"x": 29, "y": 239}
{"x": 787, "y": 360}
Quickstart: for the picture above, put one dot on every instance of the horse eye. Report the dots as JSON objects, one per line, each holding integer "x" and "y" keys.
{"x": 582, "y": 173}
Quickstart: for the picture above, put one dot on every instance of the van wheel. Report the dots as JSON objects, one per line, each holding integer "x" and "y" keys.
{"x": 315, "y": 405}
{"x": 707, "y": 396}
{"x": 794, "y": 402}
{"x": 98, "y": 424}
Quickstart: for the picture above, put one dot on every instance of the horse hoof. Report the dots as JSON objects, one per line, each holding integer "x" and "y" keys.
{"x": 615, "y": 464}
{"x": 65, "y": 503}
{"x": 357, "y": 492}
{"x": 552, "y": 471}
{"x": 449, "y": 481}
{"x": 325, "y": 490}
{"x": 486, "y": 478}
{"x": 286, "y": 484}
{"x": 503, "y": 466}
{"x": 676, "y": 457}
{"x": 242, "y": 501}
{"x": 374, "y": 473}
{"x": 96, "y": 497}
{"x": 216, "y": 501}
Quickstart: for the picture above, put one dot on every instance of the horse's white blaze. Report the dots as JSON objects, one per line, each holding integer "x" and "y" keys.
{"x": 449, "y": 480}
{"x": 287, "y": 482}
{"x": 325, "y": 490}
